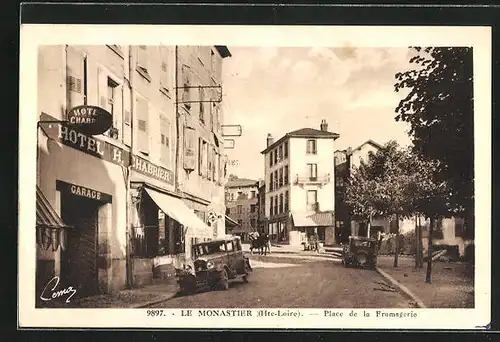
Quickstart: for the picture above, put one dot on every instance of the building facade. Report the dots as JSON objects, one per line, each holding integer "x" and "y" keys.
{"x": 299, "y": 176}
{"x": 120, "y": 194}
{"x": 242, "y": 205}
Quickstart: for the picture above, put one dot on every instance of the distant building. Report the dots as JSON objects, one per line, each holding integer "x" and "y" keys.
{"x": 299, "y": 189}
{"x": 345, "y": 161}
{"x": 242, "y": 205}
{"x": 261, "y": 223}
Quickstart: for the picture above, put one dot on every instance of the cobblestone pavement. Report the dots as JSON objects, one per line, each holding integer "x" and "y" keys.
{"x": 302, "y": 283}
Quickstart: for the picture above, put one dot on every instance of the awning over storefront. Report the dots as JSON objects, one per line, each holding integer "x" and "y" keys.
{"x": 321, "y": 219}
{"x": 230, "y": 222}
{"x": 177, "y": 209}
{"x": 46, "y": 216}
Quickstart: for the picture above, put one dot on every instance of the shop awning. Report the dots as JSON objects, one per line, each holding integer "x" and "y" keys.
{"x": 177, "y": 209}
{"x": 321, "y": 219}
{"x": 46, "y": 216}
{"x": 230, "y": 222}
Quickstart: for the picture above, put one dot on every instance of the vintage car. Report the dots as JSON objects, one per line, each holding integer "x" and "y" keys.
{"x": 214, "y": 264}
{"x": 360, "y": 251}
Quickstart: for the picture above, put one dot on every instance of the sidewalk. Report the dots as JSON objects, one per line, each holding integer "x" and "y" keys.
{"x": 452, "y": 282}
{"x": 288, "y": 249}
{"x": 134, "y": 298}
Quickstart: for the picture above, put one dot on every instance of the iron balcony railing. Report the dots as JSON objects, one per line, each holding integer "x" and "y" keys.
{"x": 323, "y": 179}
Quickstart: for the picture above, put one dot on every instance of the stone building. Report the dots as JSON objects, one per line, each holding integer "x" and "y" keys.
{"x": 242, "y": 205}
{"x": 299, "y": 176}
{"x": 112, "y": 206}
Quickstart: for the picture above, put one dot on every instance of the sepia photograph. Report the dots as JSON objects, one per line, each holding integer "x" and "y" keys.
{"x": 338, "y": 181}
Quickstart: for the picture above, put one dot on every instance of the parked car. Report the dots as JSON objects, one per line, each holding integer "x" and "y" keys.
{"x": 360, "y": 251}
{"x": 214, "y": 264}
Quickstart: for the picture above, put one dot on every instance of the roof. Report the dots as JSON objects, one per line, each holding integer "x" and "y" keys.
{"x": 319, "y": 219}
{"x": 304, "y": 133}
{"x": 241, "y": 182}
{"x": 223, "y": 50}
{"x": 370, "y": 142}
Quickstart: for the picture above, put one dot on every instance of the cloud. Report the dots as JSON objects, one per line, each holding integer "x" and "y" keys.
{"x": 305, "y": 71}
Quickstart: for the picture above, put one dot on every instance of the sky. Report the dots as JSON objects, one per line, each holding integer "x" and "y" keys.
{"x": 277, "y": 90}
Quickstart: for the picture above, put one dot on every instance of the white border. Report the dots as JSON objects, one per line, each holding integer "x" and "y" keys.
{"x": 375, "y": 36}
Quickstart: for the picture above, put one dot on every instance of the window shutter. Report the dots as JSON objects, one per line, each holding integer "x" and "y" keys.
{"x": 142, "y": 125}
{"x": 189, "y": 148}
{"x": 186, "y": 83}
{"x": 209, "y": 162}
{"x": 200, "y": 156}
{"x": 165, "y": 140}
{"x": 74, "y": 78}
{"x": 164, "y": 67}
{"x": 201, "y": 96}
{"x": 127, "y": 129}
{"x": 102, "y": 89}
{"x": 142, "y": 57}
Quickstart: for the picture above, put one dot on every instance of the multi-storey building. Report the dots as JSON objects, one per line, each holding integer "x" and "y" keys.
{"x": 141, "y": 193}
{"x": 345, "y": 161}
{"x": 242, "y": 205}
{"x": 299, "y": 176}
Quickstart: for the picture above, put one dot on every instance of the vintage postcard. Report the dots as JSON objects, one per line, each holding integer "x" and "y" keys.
{"x": 254, "y": 177}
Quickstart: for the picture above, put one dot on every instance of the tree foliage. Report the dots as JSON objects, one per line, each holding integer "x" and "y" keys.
{"x": 439, "y": 108}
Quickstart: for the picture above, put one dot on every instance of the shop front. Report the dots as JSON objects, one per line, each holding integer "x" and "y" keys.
{"x": 81, "y": 178}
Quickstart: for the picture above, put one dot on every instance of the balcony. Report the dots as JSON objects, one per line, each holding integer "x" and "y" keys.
{"x": 308, "y": 180}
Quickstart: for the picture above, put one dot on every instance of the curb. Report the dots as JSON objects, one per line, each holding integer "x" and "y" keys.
{"x": 402, "y": 288}
{"x": 154, "y": 301}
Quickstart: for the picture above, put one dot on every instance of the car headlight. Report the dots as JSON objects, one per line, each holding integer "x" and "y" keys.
{"x": 189, "y": 268}
{"x": 210, "y": 265}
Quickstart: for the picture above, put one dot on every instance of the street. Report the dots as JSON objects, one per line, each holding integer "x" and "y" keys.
{"x": 288, "y": 282}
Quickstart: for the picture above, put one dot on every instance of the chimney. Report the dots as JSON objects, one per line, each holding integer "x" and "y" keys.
{"x": 324, "y": 126}
{"x": 270, "y": 139}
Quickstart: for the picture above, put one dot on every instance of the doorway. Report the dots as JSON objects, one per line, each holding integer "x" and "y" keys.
{"x": 79, "y": 260}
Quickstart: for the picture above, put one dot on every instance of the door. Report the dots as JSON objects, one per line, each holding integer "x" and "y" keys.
{"x": 79, "y": 260}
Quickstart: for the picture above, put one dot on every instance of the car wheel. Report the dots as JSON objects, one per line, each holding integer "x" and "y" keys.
{"x": 224, "y": 281}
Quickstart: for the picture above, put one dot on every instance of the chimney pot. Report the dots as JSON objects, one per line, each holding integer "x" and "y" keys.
{"x": 270, "y": 139}
{"x": 324, "y": 125}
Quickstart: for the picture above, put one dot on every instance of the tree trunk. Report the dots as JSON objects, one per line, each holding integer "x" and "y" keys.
{"x": 420, "y": 244}
{"x": 396, "y": 244}
{"x": 368, "y": 228}
{"x": 417, "y": 244}
{"x": 429, "y": 252}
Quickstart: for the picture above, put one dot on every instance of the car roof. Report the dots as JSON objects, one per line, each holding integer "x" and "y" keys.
{"x": 227, "y": 238}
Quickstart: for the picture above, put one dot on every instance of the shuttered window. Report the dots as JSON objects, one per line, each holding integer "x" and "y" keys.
{"x": 164, "y": 68}
{"x": 110, "y": 94}
{"x": 201, "y": 98}
{"x": 142, "y": 125}
{"x": 142, "y": 57}
{"x": 185, "y": 87}
{"x": 189, "y": 148}
{"x": 127, "y": 127}
{"x": 210, "y": 160}
{"x": 165, "y": 141}
{"x": 74, "y": 78}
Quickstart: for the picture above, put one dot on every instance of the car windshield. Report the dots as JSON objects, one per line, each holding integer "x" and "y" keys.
{"x": 210, "y": 248}
{"x": 360, "y": 243}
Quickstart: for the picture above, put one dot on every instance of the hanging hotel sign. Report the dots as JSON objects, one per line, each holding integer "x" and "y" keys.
{"x": 92, "y": 120}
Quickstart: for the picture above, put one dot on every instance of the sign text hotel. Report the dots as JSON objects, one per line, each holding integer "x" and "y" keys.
{"x": 111, "y": 153}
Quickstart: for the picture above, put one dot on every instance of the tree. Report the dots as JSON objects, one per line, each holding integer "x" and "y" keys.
{"x": 381, "y": 186}
{"x": 439, "y": 108}
{"x": 430, "y": 198}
